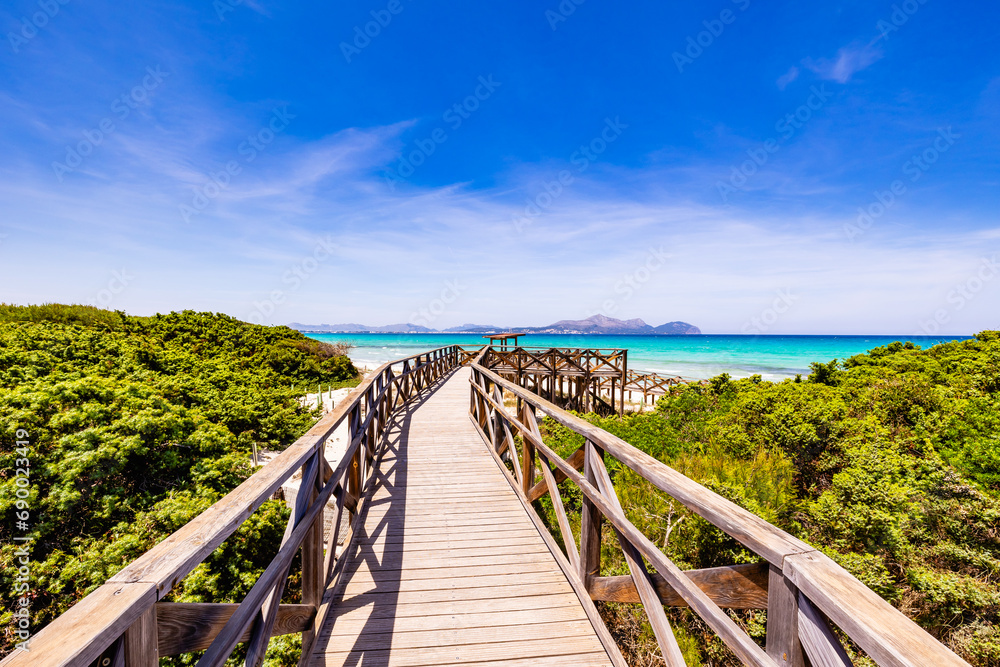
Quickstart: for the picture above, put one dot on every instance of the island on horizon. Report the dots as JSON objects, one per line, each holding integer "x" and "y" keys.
{"x": 596, "y": 324}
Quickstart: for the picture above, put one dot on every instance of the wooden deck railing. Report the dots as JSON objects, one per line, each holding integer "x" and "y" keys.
{"x": 575, "y": 375}
{"x": 124, "y": 623}
{"x": 650, "y": 384}
{"x": 563, "y": 360}
{"x": 799, "y": 586}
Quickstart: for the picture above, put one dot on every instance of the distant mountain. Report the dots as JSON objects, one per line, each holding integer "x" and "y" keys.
{"x": 596, "y": 324}
{"x": 602, "y": 324}
{"x": 677, "y": 328}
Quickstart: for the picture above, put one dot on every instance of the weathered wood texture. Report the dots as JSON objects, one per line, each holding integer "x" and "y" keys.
{"x": 885, "y": 634}
{"x": 574, "y": 377}
{"x": 803, "y": 584}
{"x": 730, "y": 587}
{"x": 447, "y": 566}
{"x": 140, "y": 641}
{"x": 186, "y": 627}
{"x": 783, "y": 620}
{"x": 115, "y": 620}
{"x": 487, "y": 410}
{"x": 818, "y": 641}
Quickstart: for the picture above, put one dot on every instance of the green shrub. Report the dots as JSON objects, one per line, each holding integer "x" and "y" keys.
{"x": 137, "y": 425}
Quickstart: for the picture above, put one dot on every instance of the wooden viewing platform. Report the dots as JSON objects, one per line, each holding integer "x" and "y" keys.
{"x": 436, "y": 555}
{"x": 575, "y": 376}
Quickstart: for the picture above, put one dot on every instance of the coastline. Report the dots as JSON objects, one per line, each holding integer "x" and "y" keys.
{"x": 696, "y": 356}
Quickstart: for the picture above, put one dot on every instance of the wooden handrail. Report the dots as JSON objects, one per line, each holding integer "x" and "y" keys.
{"x": 804, "y": 585}
{"x": 118, "y": 620}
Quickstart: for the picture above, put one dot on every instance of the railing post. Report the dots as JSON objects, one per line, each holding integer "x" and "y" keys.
{"x": 527, "y": 457}
{"x": 783, "y": 644}
{"x": 140, "y": 641}
{"x": 354, "y": 469}
{"x": 370, "y": 432}
{"x": 624, "y": 379}
{"x": 313, "y": 575}
{"x": 590, "y": 520}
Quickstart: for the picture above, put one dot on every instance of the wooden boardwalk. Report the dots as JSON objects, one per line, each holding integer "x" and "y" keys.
{"x": 448, "y": 568}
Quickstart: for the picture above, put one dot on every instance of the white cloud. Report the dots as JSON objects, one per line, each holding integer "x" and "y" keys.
{"x": 849, "y": 60}
{"x": 394, "y": 250}
{"x": 791, "y": 75}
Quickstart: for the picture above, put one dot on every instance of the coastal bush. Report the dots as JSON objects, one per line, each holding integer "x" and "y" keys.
{"x": 888, "y": 462}
{"x": 136, "y": 425}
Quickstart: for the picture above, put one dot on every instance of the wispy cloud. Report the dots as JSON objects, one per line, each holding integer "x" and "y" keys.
{"x": 849, "y": 60}
{"x": 388, "y": 248}
{"x": 791, "y": 75}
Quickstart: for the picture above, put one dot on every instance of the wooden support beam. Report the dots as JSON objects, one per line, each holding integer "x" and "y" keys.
{"x": 881, "y": 630}
{"x": 140, "y": 642}
{"x": 590, "y": 521}
{"x": 527, "y": 464}
{"x": 641, "y": 577}
{"x": 783, "y": 620}
{"x": 313, "y": 572}
{"x": 183, "y": 627}
{"x": 819, "y": 642}
{"x": 538, "y": 490}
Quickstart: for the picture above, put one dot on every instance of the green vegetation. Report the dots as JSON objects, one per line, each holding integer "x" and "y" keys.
{"x": 889, "y": 462}
{"x": 136, "y": 425}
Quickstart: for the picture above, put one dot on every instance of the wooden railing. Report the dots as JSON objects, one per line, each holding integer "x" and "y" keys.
{"x": 799, "y": 586}
{"x": 124, "y": 623}
{"x": 574, "y": 376}
{"x": 650, "y": 384}
{"x": 565, "y": 361}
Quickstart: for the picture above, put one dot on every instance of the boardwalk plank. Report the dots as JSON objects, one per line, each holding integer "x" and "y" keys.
{"x": 537, "y": 651}
{"x": 458, "y": 628}
{"x": 358, "y": 584}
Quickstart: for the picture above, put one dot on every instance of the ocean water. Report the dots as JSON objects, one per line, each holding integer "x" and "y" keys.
{"x": 696, "y": 357}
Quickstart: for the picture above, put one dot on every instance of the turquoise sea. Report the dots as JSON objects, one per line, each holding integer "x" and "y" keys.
{"x": 696, "y": 357}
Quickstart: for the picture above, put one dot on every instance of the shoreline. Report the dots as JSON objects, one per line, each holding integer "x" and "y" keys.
{"x": 701, "y": 357}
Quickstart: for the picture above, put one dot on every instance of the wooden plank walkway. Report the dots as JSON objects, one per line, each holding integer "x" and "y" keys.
{"x": 448, "y": 568}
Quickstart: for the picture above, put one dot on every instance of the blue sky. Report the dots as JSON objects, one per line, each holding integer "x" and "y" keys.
{"x": 745, "y": 166}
